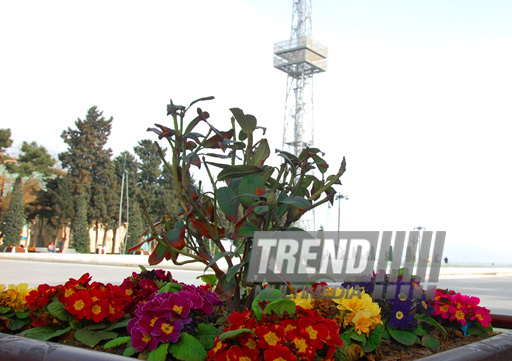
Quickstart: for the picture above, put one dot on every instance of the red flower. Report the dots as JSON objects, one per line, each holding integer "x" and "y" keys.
{"x": 78, "y": 304}
{"x": 279, "y": 353}
{"x": 270, "y": 336}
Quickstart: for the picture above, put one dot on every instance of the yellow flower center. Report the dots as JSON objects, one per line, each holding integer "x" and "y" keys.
{"x": 78, "y": 305}
{"x": 177, "y": 309}
{"x": 146, "y": 338}
{"x": 312, "y": 332}
{"x": 96, "y": 309}
{"x": 301, "y": 344}
{"x": 166, "y": 328}
{"x": 271, "y": 338}
{"x": 153, "y": 320}
{"x": 399, "y": 315}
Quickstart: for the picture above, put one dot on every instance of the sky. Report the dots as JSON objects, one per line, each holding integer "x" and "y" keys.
{"x": 417, "y": 95}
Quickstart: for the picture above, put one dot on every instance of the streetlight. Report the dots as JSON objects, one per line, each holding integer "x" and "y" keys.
{"x": 339, "y": 197}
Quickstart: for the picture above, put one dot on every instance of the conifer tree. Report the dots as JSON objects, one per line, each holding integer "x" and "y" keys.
{"x": 135, "y": 226}
{"x": 14, "y": 219}
{"x": 80, "y": 239}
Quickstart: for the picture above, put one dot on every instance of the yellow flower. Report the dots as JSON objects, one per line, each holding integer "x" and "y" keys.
{"x": 362, "y": 321}
{"x": 357, "y": 301}
{"x": 302, "y": 299}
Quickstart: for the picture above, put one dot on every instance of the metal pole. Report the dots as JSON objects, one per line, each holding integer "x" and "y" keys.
{"x": 121, "y": 201}
{"x": 127, "y": 216}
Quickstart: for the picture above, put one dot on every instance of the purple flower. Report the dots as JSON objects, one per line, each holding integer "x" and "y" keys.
{"x": 400, "y": 315}
{"x": 167, "y": 331}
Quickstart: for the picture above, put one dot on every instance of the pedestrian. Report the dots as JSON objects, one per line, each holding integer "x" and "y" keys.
{"x": 51, "y": 248}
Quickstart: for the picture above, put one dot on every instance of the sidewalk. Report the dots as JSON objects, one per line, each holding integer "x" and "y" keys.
{"x": 136, "y": 260}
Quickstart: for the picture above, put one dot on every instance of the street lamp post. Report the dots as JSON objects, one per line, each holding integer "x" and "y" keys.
{"x": 339, "y": 197}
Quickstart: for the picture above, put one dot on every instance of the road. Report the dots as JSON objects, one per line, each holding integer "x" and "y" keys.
{"x": 495, "y": 292}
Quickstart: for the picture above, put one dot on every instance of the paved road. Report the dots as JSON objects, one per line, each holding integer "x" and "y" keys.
{"x": 35, "y": 273}
{"x": 495, "y": 292}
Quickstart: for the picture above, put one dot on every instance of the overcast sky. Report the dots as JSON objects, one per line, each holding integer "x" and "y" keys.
{"x": 417, "y": 95}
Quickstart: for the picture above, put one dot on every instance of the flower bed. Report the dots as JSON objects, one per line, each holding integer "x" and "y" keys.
{"x": 151, "y": 316}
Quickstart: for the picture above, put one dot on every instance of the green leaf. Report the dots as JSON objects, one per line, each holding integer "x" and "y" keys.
{"x": 404, "y": 337}
{"x": 58, "y": 310}
{"x": 298, "y": 201}
{"x": 233, "y": 271}
{"x": 261, "y": 153}
{"x": 44, "y": 333}
{"x": 4, "y": 310}
{"x": 206, "y": 334}
{"x": 279, "y": 307}
{"x": 261, "y": 209}
{"x": 16, "y": 323}
{"x": 246, "y": 121}
{"x": 22, "y": 314}
{"x": 170, "y": 287}
{"x": 420, "y": 331}
{"x": 430, "y": 342}
{"x": 120, "y": 324}
{"x": 159, "y": 353}
{"x": 130, "y": 351}
{"x": 360, "y": 338}
{"x": 247, "y": 229}
{"x": 249, "y": 184}
{"x": 228, "y": 203}
{"x": 188, "y": 348}
{"x": 434, "y": 323}
{"x": 374, "y": 339}
{"x": 208, "y": 279}
{"x": 236, "y": 171}
{"x": 235, "y": 333}
{"x": 92, "y": 337}
{"x": 117, "y": 341}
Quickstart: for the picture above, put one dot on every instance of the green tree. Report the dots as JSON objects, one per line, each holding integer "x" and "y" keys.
{"x": 14, "y": 216}
{"x": 80, "y": 239}
{"x": 5, "y": 142}
{"x": 86, "y": 148}
{"x": 34, "y": 158}
{"x": 135, "y": 227}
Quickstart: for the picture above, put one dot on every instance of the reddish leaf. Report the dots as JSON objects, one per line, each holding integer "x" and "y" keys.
{"x": 213, "y": 142}
{"x": 165, "y": 131}
{"x": 260, "y": 191}
{"x": 158, "y": 255}
{"x": 138, "y": 245}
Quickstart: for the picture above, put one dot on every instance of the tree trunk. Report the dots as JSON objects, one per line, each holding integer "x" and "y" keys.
{"x": 114, "y": 237}
{"x": 104, "y": 242}
{"x": 97, "y": 234}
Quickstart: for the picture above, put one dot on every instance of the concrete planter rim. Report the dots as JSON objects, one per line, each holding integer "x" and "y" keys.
{"x": 17, "y": 348}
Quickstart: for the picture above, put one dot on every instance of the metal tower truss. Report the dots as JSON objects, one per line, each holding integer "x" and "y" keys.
{"x": 300, "y": 58}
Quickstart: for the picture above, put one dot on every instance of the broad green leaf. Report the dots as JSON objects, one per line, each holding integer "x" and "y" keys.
{"x": 261, "y": 153}
{"x": 206, "y": 334}
{"x": 374, "y": 339}
{"x": 233, "y": 271}
{"x": 92, "y": 337}
{"x": 235, "y": 333}
{"x": 250, "y": 184}
{"x": 120, "y": 324}
{"x": 247, "y": 229}
{"x": 236, "y": 171}
{"x": 246, "y": 121}
{"x": 300, "y": 202}
{"x": 261, "y": 209}
{"x": 130, "y": 351}
{"x": 404, "y": 337}
{"x": 430, "y": 342}
{"x": 279, "y": 307}
{"x": 188, "y": 348}
{"x": 228, "y": 203}
{"x": 58, "y": 310}
{"x": 17, "y": 323}
{"x": 208, "y": 279}
{"x": 117, "y": 341}
{"x": 5, "y": 310}
{"x": 159, "y": 353}
{"x": 44, "y": 333}
{"x": 360, "y": 338}
{"x": 22, "y": 314}
{"x": 170, "y": 287}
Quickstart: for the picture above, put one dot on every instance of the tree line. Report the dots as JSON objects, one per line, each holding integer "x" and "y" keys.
{"x": 84, "y": 193}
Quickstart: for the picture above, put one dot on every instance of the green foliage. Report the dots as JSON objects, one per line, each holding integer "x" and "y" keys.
{"x": 44, "y": 333}
{"x": 80, "y": 239}
{"x": 14, "y": 217}
{"x": 92, "y": 337}
{"x": 34, "y": 158}
{"x": 253, "y": 196}
{"x": 5, "y": 140}
{"x": 188, "y": 348}
{"x": 86, "y": 149}
{"x": 117, "y": 342}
